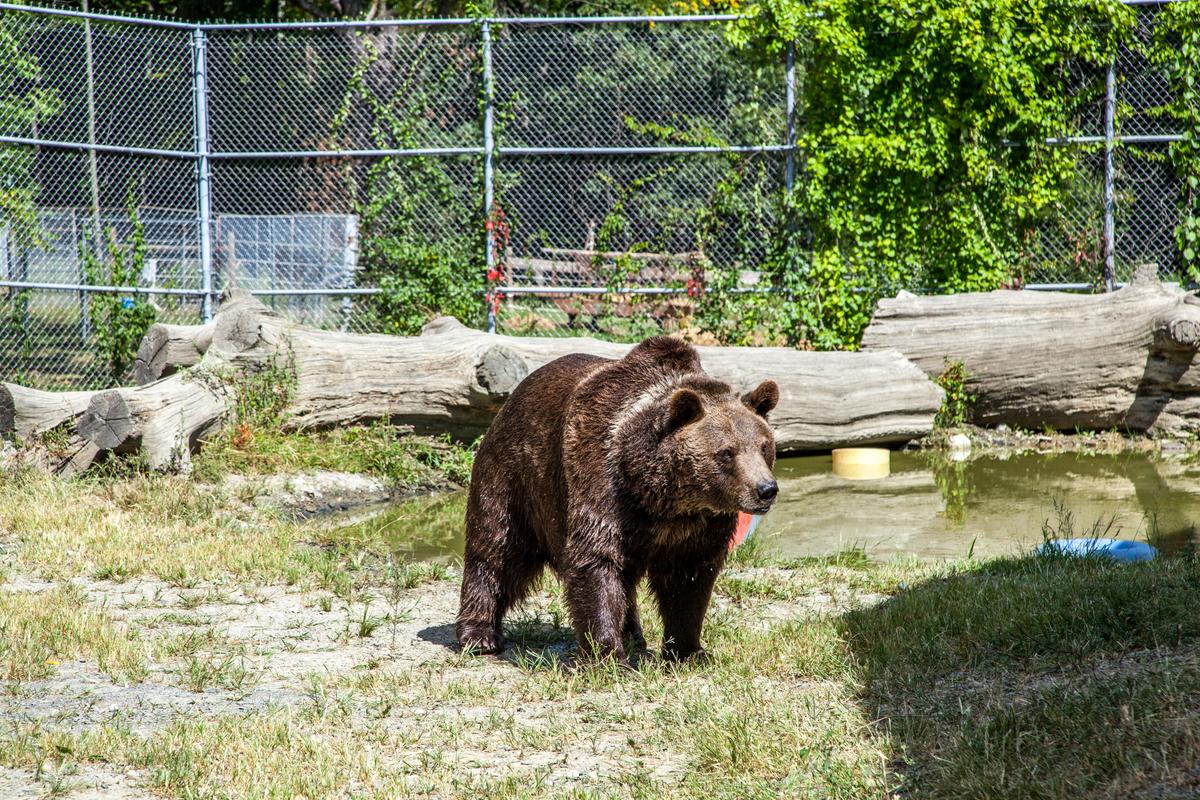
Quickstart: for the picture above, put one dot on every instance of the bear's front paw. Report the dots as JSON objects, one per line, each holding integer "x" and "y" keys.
{"x": 698, "y": 656}
{"x": 481, "y": 641}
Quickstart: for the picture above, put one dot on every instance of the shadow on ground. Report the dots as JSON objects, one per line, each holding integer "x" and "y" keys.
{"x": 532, "y": 641}
{"x": 1038, "y": 677}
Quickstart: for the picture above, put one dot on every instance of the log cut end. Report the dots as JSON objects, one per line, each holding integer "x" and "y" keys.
{"x": 8, "y": 410}
{"x": 499, "y": 370}
{"x": 108, "y": 421}
{"x": 1181, "y": 326}
{"x": 244, "y": 326}
{"x": 151, "y": 362}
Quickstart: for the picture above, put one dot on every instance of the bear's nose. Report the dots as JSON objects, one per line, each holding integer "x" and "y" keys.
{"x": 767, "y": 490}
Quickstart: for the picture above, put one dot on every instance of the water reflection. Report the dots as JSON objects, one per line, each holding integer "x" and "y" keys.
{"x": 421, "y": 529}
{"x": 932, "y": 508}
{"x": 927, "y": 507}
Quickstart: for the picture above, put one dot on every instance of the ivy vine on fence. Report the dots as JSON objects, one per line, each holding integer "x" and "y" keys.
{"x": 1176, "y": 48}
{"x": 119, "y": 320}
{"x": 907, "y": 177}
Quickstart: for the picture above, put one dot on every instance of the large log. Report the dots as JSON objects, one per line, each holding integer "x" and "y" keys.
{"x": 1068, "y": 361}
{"x": 166, "y": 349}
{"x": 450, "y": 379}
{"x": 28, "y": 412}
{"x": 163, "y": 420}
{"x": 453, "y": 378}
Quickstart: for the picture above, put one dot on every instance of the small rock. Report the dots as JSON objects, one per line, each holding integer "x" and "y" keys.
{"x": 8, "y": 455}
{"x": 960, "y": 447}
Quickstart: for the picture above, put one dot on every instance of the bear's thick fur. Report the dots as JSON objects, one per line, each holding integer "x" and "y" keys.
{"x": 609, "y": 471}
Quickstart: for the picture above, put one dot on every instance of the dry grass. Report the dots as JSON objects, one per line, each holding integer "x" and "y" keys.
{"x": 316, "y": 664}
{"x": 40, "y": 629}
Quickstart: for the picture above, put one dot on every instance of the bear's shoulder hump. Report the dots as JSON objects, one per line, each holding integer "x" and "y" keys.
{"x": 666, "y": 351}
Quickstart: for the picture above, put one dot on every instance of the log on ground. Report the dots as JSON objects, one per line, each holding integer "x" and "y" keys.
{"x": 162, "y": 420}
{"x": 453, "y": 379}
{"x": 1122, "y": 360}
{"x": 28, "y": 412}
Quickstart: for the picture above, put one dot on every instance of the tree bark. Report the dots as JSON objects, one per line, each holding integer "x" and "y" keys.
{"x": 1095, "y": 362}
{"x": 451, "y": 379}
{"x": 28, "y": 412}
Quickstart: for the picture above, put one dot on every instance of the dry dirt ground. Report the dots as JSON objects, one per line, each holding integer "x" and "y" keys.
{"x": 378, "y": 672}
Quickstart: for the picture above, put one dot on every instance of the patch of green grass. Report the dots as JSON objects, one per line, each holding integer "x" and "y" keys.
{"x": 381, "y": 449}
{"x": 760, "y": 585}
{"x": 1135, "y": 733}
{"x": 40, "y": 629}
{"x": 1051, "y": 611}
{"x": 202, "y": 672}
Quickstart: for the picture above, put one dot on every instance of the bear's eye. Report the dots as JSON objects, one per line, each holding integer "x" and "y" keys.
{"x": 725, "y": 456}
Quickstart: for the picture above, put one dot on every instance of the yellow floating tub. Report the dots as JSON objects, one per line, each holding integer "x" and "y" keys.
{"x": 862, "y": 463}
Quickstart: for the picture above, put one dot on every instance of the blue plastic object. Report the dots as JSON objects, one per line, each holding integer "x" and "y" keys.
{"x": 1123, "y": 550}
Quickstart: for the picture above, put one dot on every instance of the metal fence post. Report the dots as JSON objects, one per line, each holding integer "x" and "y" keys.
{"x": 85, "y": 322}
{"x": 488, "y": 175}
{"x": 203, "y": 185}
{"x": 1110, "y": 111}
{"x": 790, "y": 178}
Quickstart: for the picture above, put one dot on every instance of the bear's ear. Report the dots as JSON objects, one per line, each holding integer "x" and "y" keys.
{"x": 764, "y": 398}
{"x": 684, "y": 408}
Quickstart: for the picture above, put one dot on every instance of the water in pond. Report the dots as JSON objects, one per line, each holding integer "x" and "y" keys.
{"x": 925, "y": 507}
{"x": 931, "y": 508}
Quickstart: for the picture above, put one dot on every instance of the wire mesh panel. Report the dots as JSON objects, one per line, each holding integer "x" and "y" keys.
{"x": 1067, "y": 248}
{"x": 560, "y": 176}
{"x": 632, "y": 85}
{"x": 1143, "y": 90}
{"x": 1146, "y": 211}
{"x": 112, "y": 84}
{"x": 642, "y": 227}
{"x": 344, "y": 89}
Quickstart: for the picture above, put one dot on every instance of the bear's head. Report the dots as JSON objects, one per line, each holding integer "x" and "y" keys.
{"x": 715, "y": 450}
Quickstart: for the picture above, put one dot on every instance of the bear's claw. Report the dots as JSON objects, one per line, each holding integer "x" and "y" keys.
{"x": 481, "y": 642}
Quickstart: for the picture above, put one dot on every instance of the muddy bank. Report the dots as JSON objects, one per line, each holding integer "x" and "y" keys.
{"x": 323, "y": 492}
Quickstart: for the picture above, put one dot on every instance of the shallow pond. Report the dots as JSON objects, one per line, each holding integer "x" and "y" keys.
{"x": 926, "y": 507}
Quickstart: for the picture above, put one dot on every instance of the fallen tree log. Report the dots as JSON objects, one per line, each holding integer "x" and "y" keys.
{"x": 166, "y": 349}
{"x": 1094, "y": 362}
{"x": 451, "y": 379}
{"x": 163, "y": 420}
{"x": 28, "y": 412}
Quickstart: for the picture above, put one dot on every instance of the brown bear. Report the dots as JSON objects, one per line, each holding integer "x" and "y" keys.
{"x": 609, "y": 471}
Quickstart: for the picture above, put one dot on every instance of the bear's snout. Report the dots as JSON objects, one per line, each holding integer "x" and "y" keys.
{"x": 768, "y": 489}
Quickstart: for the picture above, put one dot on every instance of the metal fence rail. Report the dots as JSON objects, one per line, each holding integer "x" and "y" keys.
{"x": 593, "y": 169}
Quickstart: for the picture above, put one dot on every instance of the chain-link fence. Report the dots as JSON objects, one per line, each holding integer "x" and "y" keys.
{"x": 539, "y": 176}
{"x": 1122, "y": 207}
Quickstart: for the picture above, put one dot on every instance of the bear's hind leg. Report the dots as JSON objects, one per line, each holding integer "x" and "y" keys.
{"x": 500, "y": 563}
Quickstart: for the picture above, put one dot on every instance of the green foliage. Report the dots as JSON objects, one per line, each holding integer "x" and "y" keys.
{"x": 262, "y": 395}
{"x": 422, "y": 240}
{"x": 419, "y": 281}
{"x": 956, "y": 405}
{"x": 904, "y": 176}
{"x": 119, "y": 321}
{"x": 1176, "y": 48}
{"x": 381, "y": 449}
